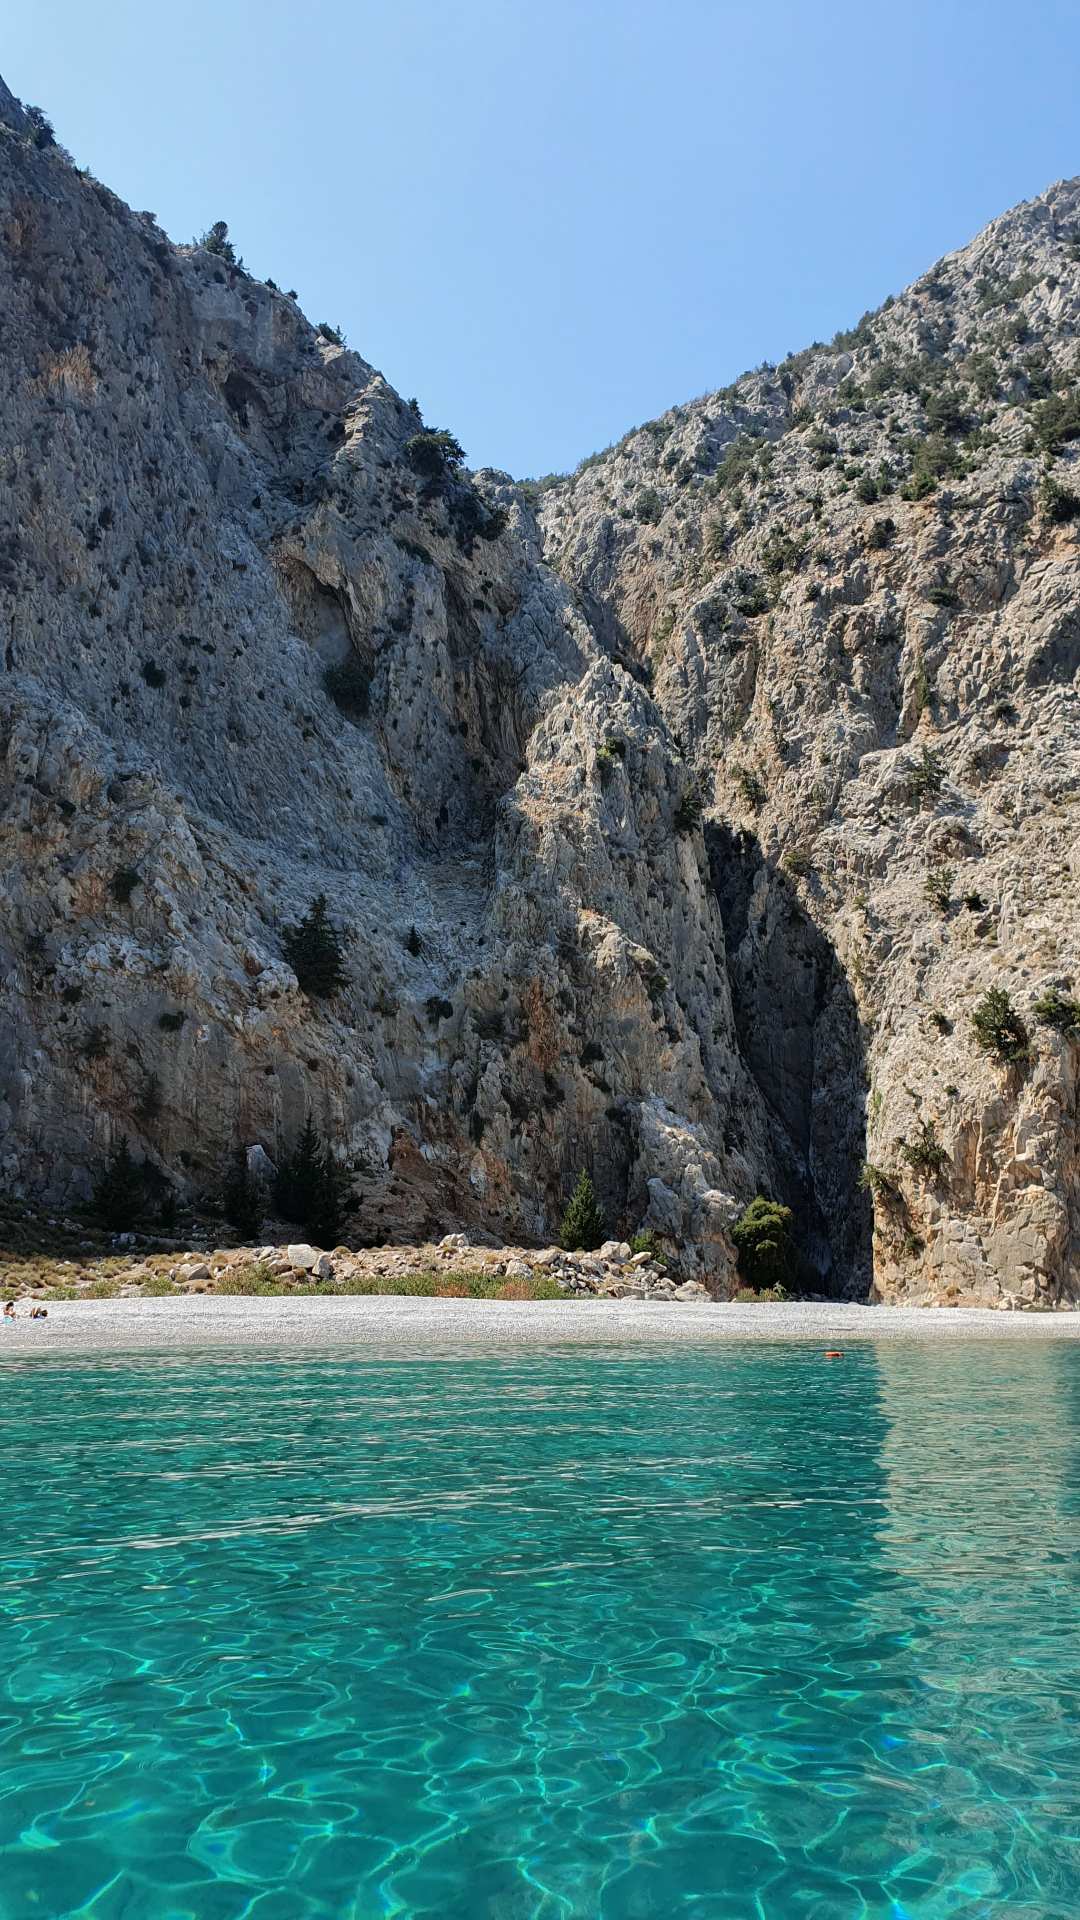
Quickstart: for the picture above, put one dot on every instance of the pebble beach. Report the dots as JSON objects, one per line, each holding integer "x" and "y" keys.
{"x": 202, "y": 1320}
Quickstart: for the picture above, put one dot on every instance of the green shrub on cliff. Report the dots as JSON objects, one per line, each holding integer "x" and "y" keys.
{"x": 1060, "y": 1011}
{"x": 1058, "y": 504}
{"x": 689, "y": 810}
{"x": 998, "y": 1027}
{"x": 925, "y": 1154}
{"x": 434, "y": 453}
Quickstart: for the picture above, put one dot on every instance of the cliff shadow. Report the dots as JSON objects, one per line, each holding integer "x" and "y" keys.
{"x": 799, "y": 1034}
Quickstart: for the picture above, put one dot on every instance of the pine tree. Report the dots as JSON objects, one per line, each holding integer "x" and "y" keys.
{"x": 297, "y": 1175}
{"x": 998, "y": 1028}
{"x": 216, "y": 240}
{"x": 315, "y": 950}
{"x": 313, "y": 1188}
{"x": 583, "y": 1225}
{"x": 333, "y": 1198}
{"x": 434, "y": 453}
{"x": 120, "y": 1191}
{"x": 242, "y": 1197}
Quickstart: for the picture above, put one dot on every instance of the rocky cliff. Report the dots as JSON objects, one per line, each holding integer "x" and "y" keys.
{"x": 677, "y": 815}
{"x": 851, "y": 584}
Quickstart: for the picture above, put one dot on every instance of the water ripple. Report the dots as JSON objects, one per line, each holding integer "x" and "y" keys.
{"x": 547, "y": 1636}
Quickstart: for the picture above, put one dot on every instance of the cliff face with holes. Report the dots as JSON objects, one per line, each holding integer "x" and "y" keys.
{"x": 851, "y": 583}
{"x": 625, "y": 793}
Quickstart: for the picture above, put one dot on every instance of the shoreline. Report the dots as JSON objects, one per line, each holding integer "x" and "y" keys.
{"x": 204, "y": 1321}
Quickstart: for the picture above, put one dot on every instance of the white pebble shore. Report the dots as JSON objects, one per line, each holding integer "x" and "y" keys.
{"x": 204, "y": 1321}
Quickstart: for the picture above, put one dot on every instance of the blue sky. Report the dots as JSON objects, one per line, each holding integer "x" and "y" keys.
{"x": 550, "y": 221}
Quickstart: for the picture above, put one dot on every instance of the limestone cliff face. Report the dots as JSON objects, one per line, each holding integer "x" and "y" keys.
{"x": 629, "y": 808}
{"x": 208, "y": 504}
{"x": 851, "y": 583}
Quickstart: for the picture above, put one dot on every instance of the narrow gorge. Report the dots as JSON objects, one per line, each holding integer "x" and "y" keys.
{"x": 706, "y": 818}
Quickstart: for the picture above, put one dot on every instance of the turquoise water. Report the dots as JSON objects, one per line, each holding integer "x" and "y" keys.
{"x": 736, "y": 1633}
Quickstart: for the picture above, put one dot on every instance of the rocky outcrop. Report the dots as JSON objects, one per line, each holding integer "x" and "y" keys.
{"x": 851, "y": 584}
{"x": 627, "y": 796}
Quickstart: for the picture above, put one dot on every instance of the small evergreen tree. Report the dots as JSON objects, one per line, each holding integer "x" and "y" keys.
{"x": 41, "y": 127}
{"x": 925, "y": 1153}
{"x": 297, "y": 1174}
{"x": 998, "y": 1027}
{"x": 315, "y": 950}
{"x": 689, "y": 810}
{"x": 312, "y": 1188}
{"x": 334, "y": 1197}
{"x": 938, "y": 887}
{"x": 216, "y": 240}
{"x": 583, "y": 1225}
{"x": 762, "y": 1239}
{"x": 1059, "y": 505}
{"x": 434, "y": 453}
{"x": 242, "y": 1197}
{"x": 120, "y": 1190}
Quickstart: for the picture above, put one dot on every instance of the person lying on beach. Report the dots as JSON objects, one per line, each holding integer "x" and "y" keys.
{"x": 39, "y": 1313}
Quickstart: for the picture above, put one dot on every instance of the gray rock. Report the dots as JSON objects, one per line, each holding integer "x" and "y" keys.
{"x": 259, "y": 1164}
{"x": 310, "y": 1260}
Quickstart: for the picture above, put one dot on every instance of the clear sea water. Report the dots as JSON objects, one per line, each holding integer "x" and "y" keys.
{"x": 732, "y": 1632}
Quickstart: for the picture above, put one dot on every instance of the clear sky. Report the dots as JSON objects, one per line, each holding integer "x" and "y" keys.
{"x": 550, "y": 221}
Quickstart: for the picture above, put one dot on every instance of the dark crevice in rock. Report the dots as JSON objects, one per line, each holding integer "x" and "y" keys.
{"x": 798, "y": 1033}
